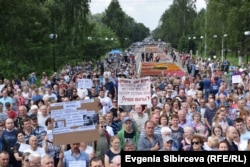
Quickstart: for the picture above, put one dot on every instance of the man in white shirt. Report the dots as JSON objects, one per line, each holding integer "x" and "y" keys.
{"x": 49, "y": 95}
{"x": 42, "y": 116}
{"x": 105, "y": 101}
{"x": 33, "y": 142}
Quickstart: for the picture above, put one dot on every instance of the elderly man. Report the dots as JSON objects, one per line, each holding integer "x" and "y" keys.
{"x": 116, "y": 161}
{"x": 35, "y": 160}
{"x": 33, "y": 142}
{"x": 139, "y": 117}
{"x": 168, "y": 144}
{"x": 231, "y": 133}
{"x": 47, "y": 161}
{"x": 73, "y": 157}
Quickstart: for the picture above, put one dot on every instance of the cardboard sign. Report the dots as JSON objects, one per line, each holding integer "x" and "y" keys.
{"x": 73, "y": 124}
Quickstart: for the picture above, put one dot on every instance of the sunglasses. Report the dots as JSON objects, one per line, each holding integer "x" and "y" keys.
{"x": 195, "y": 143}
{"x": 103, "y": 126}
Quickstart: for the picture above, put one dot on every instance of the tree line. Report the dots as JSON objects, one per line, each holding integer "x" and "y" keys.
{"x": 222, "y": 24}
{"x": 27, "y": 25}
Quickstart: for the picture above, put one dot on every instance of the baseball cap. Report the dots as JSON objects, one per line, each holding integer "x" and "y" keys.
{"x": 167, "y": 139}
{"x": 125, "y": 119}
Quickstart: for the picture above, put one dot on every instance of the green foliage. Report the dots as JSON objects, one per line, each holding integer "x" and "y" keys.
{"x": 124, "y": 26}
{"x": 221, "y": 17}
{"x": 177, "y": 22}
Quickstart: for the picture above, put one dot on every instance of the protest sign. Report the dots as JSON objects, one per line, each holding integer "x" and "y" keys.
{"x": 74, "y": 121}
{"x": 134, "y": 91}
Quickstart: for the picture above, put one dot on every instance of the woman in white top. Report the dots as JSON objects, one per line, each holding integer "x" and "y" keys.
{"x": 26, "y": 94}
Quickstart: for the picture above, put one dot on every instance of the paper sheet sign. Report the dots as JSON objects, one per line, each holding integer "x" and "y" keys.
{"x": 84, "y": 83}
{"x": 236, "y": 79}
{"x": 134, "y": 91}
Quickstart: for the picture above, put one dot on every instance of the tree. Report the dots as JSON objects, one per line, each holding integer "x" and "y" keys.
{"x": 177, "y": 22}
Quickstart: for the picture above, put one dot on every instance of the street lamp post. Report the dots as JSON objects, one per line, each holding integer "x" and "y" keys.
{"x": 195, "y": 51}
{"x": 201, "y": 44}
{"x": 215, "y": 36}
{"x": 205, "y": 40}
{"x": 190, "y": 50}
{"x": 53, "y": 37}
{"x": 222, "y": 47}
{"x": 247, "y": 33}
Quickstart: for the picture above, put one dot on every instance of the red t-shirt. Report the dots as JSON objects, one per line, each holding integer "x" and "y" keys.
{"x": 11, "y": 114}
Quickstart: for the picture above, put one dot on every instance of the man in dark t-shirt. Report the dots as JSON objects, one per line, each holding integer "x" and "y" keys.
{"x": 231, "y": 133}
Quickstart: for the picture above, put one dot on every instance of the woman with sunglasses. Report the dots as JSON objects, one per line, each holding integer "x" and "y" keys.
{"x": 197, "y": 143}
{"x": 102, "y": 144}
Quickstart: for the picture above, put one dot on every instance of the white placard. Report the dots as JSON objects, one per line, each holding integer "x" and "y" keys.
{"x": 84, "y": 83}
{"x": 134, "y": 91}
{"x": 79, "y": 163}
{"x": 236, "y": 79}
{"x": 68, "y": 120}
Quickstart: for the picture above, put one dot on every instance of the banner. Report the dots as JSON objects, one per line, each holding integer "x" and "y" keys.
{"x": 134, "y": 91}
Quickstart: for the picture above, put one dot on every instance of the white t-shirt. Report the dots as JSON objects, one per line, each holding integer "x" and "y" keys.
{"x": 42, "y": 119}
{"x": 39, "y": 150}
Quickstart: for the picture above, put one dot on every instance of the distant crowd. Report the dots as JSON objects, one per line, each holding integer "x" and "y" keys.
{"x": 207, "y": 109}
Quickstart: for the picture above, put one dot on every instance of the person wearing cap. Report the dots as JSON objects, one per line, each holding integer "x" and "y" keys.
{"x": 39, "y": 130}
{"x": 128, "y": 132}
{"x": 168, "y": 144}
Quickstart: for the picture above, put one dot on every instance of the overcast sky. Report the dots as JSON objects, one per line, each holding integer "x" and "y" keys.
{"x": 147, "y": 12}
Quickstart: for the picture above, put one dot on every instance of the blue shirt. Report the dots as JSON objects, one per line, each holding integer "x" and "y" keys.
{"x": 4, "y": 100}
{"x": 69, "y": 157}
{"x": 206, "y": 83}
{"x": 144, "y": 144}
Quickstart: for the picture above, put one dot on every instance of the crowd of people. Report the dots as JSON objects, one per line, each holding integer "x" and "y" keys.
{"x": 200, "y": 111}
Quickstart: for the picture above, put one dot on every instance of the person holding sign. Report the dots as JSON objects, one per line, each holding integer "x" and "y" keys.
{"x": 73, "y": 157}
